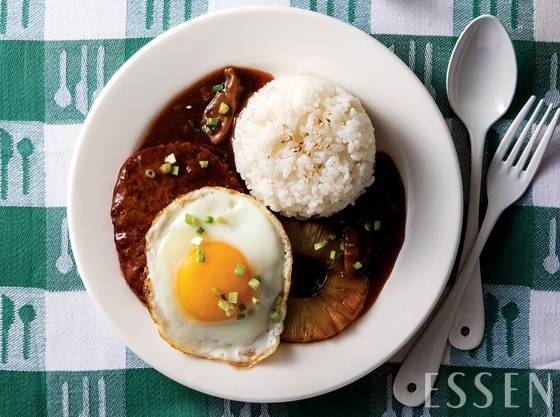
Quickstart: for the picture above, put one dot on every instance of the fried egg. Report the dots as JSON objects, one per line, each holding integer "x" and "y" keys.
{"x": 218, "y": 276}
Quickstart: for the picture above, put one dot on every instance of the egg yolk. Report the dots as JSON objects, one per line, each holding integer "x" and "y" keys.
{"x": 211, "y": 273}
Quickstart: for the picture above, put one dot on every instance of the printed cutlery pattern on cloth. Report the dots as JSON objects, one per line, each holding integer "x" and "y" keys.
{"x": 20, "y": 343}
{"x": 56, "y": 57}
{"x": 82, "y": 399}
{"x": 18, "y": 13}
{"x": 20, "y": 156}
{"x": 81, "y": 97}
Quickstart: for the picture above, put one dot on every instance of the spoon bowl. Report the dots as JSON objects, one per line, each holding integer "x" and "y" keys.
{"x": 482, "y": 73}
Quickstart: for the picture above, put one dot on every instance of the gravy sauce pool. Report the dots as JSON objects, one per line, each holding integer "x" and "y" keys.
{"x": 376, "y": 222}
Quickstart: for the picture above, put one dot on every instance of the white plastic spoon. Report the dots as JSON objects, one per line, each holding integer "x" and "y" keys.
{"x": 481, "y": 80}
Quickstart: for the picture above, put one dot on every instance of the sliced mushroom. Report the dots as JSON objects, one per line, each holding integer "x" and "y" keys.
{"x": 218, "y": 116}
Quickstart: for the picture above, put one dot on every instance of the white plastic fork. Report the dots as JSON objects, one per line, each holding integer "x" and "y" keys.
{"x": 507, "y": 179}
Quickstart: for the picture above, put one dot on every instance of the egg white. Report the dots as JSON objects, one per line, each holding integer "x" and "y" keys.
{"x": 248, "y": 226}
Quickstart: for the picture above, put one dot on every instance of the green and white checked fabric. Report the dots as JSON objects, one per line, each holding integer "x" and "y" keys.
{"x": 57, "y": 355}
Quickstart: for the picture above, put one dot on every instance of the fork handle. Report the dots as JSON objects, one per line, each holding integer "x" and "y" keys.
{"x": 420, "y": 367}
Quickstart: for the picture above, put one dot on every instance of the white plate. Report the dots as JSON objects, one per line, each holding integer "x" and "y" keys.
{"x": 408, "y": 126}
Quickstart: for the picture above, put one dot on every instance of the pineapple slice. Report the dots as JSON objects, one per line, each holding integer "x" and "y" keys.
{"x": 336, "y": 302}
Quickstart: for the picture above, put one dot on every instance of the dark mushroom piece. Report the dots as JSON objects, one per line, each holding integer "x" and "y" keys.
{"x": 218, "y": 116}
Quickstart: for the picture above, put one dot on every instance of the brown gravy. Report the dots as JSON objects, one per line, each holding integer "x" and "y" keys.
{"x": 180, "y": 119}
{"x": 383, "y": 202}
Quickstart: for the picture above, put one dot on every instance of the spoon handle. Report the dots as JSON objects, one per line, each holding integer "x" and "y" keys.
{"x": 553, "y": 70}
{"x": 62, "y": 67}
{"x": 25, "y": 180}
{"x": 4, "y": 179}
{"x": 514, "y": 13}
{"x": 552, "y": 237}
{"x": 26, "y": 340}
{"x": 421, "y": 366}
{"x": 470, "y": 314}
{"x": 100, "y": 67}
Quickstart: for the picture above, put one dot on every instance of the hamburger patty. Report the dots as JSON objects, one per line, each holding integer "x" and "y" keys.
{"x": 137, "y": 199}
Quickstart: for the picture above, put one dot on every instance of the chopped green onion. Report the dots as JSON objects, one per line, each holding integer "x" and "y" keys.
{"x": 332, "y": 236}
{"x": 150, "y": 174}
{"x": 223, "y": 304}
{"x": 342, "y": 245}
{"x": 276, "y": 317}
{"x": 377, "y": 225}
{"x": 196, "y": 241}
{"x": 278, "y": 300}
{"x": 208, "y": 219}
{"x": 171, "y": 158}
{"x": 219, "y": 219}
{"x": 200, "y": 230}
{"x": 212, "y": 121}
{"x": 367, "y": 226}
{"x": 215, "y": 291}
{"x": 357, "y": 265}
{"x": 201, "y": 257}
{"x": 334, "y": 255}
{"x": 190, "y": 219}
{"x": 256, "y": 301}
{"x": 351, "y": 245}
{"x": 232, "y": 297}
{"x": 241, "y": 317}
{"x": 254, "y": 283}
{"x": 208, "y": 130}
{"x": 165, "y": 168}
{"x": 242, "y": 307}
{"x": 224, "y": 108}
{"x": 230, "y": 310}
{"x": 320, "y": 245}
{"x": 217, "y": 88}
{"x": 203, "y": 164}
{"x": 239, "y": 269}
{"x": 175, "y": 170}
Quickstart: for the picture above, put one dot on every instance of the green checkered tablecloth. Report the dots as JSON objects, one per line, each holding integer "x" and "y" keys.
{"x": 58, "y": 357}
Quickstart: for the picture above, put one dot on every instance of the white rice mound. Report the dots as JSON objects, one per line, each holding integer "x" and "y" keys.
{"x": 304, "y": 146}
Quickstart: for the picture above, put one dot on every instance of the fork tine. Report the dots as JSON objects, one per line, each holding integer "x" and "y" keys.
{"x": 510, "y": 134}
{"x": 521, "y": 139}
{"x": 539, "y": 152}
{"x": 528, "y": 149}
